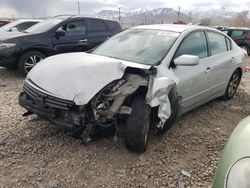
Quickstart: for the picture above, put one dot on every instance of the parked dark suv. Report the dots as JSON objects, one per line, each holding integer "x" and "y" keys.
{"x": 241, "y": 36}
{"x": 56, "y": 35}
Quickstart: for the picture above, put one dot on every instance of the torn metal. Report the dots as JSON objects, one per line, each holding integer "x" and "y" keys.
{"x": 157, "y": 95}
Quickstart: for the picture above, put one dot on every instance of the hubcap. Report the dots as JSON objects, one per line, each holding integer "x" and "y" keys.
{"x": 31, "y": 61}
{"x": 233, "y": 85}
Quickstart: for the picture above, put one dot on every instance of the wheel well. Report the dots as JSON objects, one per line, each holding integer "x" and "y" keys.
{"x": 240, "y": 70}
{"x": 29, "y": 50}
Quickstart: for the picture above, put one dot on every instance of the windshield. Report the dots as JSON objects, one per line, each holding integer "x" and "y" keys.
{"x": 139, "y": 45}
{"x": 9, "y": 26}
{"x": 43, "y": 26}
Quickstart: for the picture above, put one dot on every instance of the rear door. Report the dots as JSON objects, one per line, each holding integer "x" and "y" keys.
{"x": 98, "y": 32}
{"x": 220, "y": 64}
{"x": 75, "y": 39}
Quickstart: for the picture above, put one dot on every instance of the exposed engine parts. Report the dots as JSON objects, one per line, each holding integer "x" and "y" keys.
{"x": 108, "y": 102}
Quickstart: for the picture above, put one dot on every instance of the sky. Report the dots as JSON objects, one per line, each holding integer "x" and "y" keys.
{"x": 41, "y": 8}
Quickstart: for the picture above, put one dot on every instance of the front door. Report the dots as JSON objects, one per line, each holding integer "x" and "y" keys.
{"x": 192, "y": 81}
{"x": 75, "y": 39}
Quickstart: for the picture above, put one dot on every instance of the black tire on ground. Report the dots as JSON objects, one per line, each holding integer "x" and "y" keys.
{"x": 175, "y": 108}
{"x": 232, "y": 85}
{"x": 245, "y": 47}
{"x": 138, "y": 125}
{"x": 29, "y": 58}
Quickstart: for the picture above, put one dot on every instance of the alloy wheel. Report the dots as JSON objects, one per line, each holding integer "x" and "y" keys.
{"x": 31, "y": 61}
{"x": 233, "y": 85}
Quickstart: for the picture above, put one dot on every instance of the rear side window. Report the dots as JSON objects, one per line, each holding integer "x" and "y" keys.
{"x": 238, "y": 33}
{"x": 217, "y": 43}
{"x": 194, "y": 44}
{"x": 95, "y": 25}
{"x": 24, "y": 26}
{"x": 114, "y": 26}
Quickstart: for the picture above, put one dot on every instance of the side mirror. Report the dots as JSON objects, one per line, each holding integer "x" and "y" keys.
{"x": 60, "y": 33}
{"x": 13, "y": 29}
{"x": 187, "y": 60}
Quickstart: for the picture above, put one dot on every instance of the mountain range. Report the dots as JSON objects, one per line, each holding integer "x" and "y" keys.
{"x": 169, "y": 15}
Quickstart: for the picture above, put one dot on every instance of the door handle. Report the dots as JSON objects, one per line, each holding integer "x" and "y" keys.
{"x": 83, "y": 40}
{"x": 208, "y": 69}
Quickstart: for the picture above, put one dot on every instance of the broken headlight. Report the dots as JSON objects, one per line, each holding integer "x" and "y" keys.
{"x": 79, "y": 99}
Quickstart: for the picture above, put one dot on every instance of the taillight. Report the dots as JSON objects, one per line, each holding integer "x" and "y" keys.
{"x": 248, "y": 37}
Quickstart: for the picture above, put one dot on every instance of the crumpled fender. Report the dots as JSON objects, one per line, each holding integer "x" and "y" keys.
{"x": 158, "y": 90}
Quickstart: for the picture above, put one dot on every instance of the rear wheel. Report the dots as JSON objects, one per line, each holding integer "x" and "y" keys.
{"x": 138, "y": 125}
{"x": 28, "y": 60}
{"x": 232, "y": 85}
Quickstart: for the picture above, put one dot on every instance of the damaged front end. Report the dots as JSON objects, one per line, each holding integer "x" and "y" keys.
{"x": 102, "y": 110}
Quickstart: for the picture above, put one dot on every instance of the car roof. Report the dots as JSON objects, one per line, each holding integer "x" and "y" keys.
{"x": 173, "y": 27}
{"x": 237, "y": 28}
{"x": 29, "y": 20}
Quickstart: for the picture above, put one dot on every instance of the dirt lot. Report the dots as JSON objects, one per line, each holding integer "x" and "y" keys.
{"x": 34, "y": 153}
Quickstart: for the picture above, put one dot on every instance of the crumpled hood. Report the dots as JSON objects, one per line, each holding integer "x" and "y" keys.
{"x": 67, "y": 75}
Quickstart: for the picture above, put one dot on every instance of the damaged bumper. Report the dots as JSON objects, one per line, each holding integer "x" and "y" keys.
{"x": 56, "y": 110}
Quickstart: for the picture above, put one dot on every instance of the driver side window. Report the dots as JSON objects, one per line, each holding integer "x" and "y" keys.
{"x": 194, "y": 44}
{"x": 73, "y": 28}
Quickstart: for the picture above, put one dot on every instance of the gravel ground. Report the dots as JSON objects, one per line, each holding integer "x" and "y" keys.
{"x": 34, "y": 153}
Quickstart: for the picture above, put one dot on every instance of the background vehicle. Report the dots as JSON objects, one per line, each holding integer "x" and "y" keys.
{"x": 234, "y": 166}
{"x": 146, "y": 73}
{"x": 4, "y": 22}
{"x": 18, "y": 25}
{"x": 241, "y": 36}
{"x": 60, "y": 34}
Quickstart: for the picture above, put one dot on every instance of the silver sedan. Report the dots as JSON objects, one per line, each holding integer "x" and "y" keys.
{"x": 144, "y": 77}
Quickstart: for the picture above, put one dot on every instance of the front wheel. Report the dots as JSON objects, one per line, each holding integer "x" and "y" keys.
{"x": 232, "y": 85}
{"x": 28, "y": 60}
{"x": 138, "y": 125}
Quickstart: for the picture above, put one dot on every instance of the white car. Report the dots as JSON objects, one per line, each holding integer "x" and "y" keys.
{"x": 18, "y": 25}
{"x": 147, "y": 74}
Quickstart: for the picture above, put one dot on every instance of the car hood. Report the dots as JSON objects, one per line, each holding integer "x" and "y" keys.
{"x": 68, "y": 75}
{"x": 4, "y": 35}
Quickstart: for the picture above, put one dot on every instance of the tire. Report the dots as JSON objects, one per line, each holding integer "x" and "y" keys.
{"x": 245, "y": 47}
{"x": 175, "y": 108}
{"x": 138, "y": 125}
{"x": 28, "y": 60}
{"x": 232, "y": 85}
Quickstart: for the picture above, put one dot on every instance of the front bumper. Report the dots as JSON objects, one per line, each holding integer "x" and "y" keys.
{"x": 56, "y": 110}
{"x": 8, "y": 58}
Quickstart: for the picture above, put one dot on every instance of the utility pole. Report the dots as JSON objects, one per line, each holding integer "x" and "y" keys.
{"x": 179, "y": 12}
{"x": 145, "y": 19}
{"x": 119, "y": 14}
{"x": 79, "y": 9}
{"x": 190, "y": 17}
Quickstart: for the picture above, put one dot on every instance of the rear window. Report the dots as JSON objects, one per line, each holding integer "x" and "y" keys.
{"x": 238, "y": 33}
{"x": 95, "y": 25}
